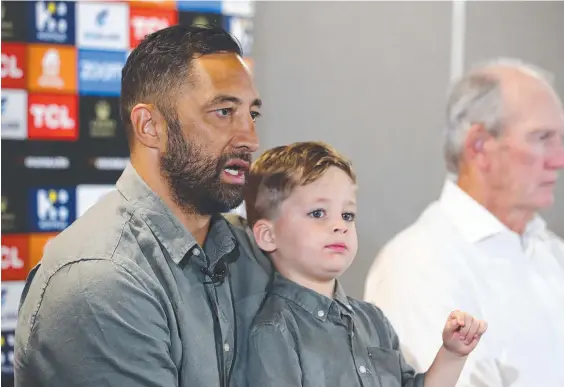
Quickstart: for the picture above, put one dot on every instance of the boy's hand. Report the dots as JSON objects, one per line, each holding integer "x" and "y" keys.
{"x": 462, "y": 333}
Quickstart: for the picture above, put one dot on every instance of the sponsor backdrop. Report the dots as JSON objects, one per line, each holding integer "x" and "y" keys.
{"x": 63, "y": 146}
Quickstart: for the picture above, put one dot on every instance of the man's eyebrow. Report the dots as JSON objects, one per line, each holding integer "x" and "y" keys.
{"x": 221, "y": 98}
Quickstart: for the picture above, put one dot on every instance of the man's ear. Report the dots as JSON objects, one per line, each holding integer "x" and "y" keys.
{"x": 148, "y": 126}
{"x": 263, "y": 231}
{"x": 476, "y": 145}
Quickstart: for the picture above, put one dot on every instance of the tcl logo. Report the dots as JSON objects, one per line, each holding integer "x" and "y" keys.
{"x": 13, "y": 58}
{"x": 52, "y": 117}
{"x": 10, "y": 67}
{"x": 15, "y": 248}
{"x": 145, "y": 21}
{"x": 11, "y": 258}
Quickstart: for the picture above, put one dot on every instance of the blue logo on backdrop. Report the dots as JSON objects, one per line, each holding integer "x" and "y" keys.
{"x": 52, "y": 21}
{"x": 99, "y": 72}
{"x": 102, "y": 17}
{"x": 4, "y": 104}
{"x": 199, "y": 6}
{"x": 52, "y": 209}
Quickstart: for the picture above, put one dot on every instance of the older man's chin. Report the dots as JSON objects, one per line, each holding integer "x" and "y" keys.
{"x": 545, "y": 196}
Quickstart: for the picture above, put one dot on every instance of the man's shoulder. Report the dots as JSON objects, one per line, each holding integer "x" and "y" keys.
{"x": 96, "y": 299}
{"x": 416, "y": 252}
{"x": 402, "y": 248}
{"x": 554, "y": 239}
{"x": 426, "y": 236}
{"x": 82, "y": 281}
{"x": 76, "y": 287}
{"x": 95, "y": 235}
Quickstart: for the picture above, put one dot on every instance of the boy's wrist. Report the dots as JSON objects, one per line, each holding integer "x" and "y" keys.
{"x": 447, "y": 353}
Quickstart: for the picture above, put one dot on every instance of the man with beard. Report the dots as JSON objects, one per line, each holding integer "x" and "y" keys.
{"x": 152, "y": 286}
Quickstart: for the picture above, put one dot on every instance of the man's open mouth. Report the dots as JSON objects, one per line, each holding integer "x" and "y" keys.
{"x": 236, "y": 167}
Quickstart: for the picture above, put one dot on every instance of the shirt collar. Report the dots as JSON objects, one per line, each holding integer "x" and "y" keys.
{"x": 536, "y": 227}
{"x": 171, "y": 234}
{"x": 473, "y": 220}
{"x": 220, "y": 240}
{"x": 316, "y": 304}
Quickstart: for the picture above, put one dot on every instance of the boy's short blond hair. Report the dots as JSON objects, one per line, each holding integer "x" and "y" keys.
{"x": 275, "y": 174}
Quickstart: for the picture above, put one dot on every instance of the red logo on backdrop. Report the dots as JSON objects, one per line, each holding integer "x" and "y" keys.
{"x": 52, "y": 117}
{"x": 13, "y": 65}
{"x": 143, "y": 21}
{"x": 14, "y": 257}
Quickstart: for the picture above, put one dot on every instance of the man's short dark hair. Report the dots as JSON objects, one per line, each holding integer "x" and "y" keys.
{"x": 160, "y": 64}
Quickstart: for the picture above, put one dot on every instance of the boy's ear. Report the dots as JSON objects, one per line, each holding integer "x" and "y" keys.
{"x": 263, "y": 231}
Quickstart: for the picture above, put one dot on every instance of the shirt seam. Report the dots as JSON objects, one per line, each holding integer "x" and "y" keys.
{"x": 57, "y": 269}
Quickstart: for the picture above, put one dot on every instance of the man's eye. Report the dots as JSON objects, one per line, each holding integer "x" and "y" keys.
{"x": 546, "y": 135}
{"x": 317, "y": 213}
{"x": 255, "y": 115}
{"x": 225, "y": 112}
{"x": 349, "y": 216}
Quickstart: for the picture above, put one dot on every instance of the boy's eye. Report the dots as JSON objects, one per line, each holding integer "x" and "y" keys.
{"x": 349, "y": 216}
{"x": 317, "y": 213}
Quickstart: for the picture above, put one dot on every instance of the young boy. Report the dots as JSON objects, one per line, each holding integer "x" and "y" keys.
{"x": 301, "y": 205}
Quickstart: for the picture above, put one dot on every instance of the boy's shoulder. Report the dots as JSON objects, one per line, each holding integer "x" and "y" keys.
{"x": 275, "y": 311}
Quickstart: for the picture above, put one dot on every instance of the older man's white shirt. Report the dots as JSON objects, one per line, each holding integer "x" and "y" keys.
{"x": 457, "y": 255}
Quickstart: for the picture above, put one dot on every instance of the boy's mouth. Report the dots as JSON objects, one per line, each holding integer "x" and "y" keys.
{"x": 337, "y": 247}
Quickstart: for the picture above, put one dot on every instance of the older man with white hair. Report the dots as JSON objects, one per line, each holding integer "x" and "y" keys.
{"x": 482, "y": 247}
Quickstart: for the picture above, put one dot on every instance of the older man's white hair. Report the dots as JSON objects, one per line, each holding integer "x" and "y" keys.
{"x": 476, "y": 98}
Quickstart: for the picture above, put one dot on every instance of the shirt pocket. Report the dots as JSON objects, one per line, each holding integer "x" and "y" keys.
{"x": 386, "y": 365}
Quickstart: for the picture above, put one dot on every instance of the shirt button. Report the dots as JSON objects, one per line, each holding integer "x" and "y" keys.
{"x": 320, "y": 313}
{"x": 362, "y": 369}
{"x": 196, "y": 252}
{"x": 349, "y": 307}
{"x": 226, "y": 347}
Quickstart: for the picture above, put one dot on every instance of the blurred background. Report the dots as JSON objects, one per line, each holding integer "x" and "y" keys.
{"x": 368, "y": 77}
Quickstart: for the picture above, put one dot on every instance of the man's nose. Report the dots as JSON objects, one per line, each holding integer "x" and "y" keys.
{"x": 556, "y": 159}
{"x": 246, "y": 136}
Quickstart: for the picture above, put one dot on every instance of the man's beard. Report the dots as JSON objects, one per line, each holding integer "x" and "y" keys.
{"x": 194, "y": 177}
